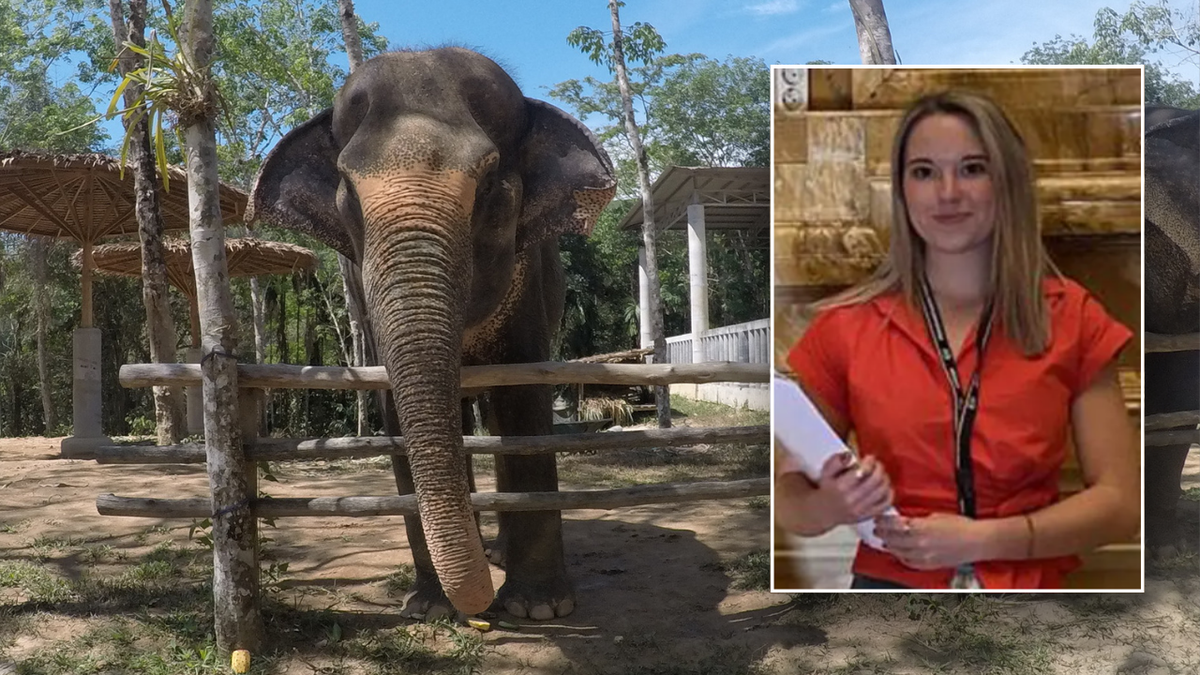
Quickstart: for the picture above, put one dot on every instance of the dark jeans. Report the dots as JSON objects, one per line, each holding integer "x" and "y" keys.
{"x": 871, "y": 584}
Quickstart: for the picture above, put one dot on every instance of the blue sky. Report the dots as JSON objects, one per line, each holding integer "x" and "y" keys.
{"x": 528, "y": 37}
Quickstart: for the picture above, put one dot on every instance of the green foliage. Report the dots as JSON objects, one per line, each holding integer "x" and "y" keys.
{"x": 163, "y": 85}
{"x": 695, "y": 111}
{"x": 639, "y": 44}
{"x": 34, "y": 111}
{"x": 1131, "y": 38}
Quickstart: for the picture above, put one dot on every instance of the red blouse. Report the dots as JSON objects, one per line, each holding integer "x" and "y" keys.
{"x": 875, "y": 365}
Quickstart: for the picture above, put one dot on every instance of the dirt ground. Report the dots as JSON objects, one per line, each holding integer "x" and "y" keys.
{"x": 655, "y": 591}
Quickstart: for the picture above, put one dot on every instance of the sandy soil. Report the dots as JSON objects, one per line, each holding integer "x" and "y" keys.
{"x": 652, "y": 593}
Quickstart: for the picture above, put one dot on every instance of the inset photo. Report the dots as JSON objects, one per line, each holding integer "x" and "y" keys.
{"x": 957, "y": 267}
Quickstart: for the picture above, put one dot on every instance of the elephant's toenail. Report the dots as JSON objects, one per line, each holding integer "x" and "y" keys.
{"x": 566, "y": 607}
{"x": 516, "y": 609}
{"x": 541, "y": 612}
{"x": 437, "y": 612}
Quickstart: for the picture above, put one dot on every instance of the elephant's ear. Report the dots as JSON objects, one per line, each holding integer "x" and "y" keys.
{"x": 296, "y": 186}
{"x": 568, "y": 178}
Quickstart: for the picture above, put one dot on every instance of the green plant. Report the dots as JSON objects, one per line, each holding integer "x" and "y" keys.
{"x": 165, "y": 84}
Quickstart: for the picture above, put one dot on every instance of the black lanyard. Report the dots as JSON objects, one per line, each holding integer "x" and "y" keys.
{"x": 966, "y": 403}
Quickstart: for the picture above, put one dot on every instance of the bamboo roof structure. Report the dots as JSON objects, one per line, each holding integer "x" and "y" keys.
{"x": 84, "y": 197}
{"x": 247, "y": 257}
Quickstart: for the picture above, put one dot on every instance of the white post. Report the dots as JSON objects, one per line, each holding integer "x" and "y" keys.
{"x": 86, "y": 397}
{"x": 644, "y": 301}
{"x": 697, "y": 278}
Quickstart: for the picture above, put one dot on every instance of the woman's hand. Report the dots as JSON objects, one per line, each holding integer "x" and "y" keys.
{"x": 937, "y": 541}
{"x": 849, "y": 493}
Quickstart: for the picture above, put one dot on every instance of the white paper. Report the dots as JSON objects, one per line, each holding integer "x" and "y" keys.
{"x": 808, "y": 438}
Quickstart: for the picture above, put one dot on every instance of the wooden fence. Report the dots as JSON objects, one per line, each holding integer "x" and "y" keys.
{"x": 245, "y": 626}
{"x": 1162, "y": 428}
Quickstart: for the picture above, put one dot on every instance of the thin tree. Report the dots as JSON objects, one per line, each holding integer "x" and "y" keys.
{"x": 874, "y": 37}
{"x": 160, "y": 326}
{"x": 351, "y": 286}
{"x": 238, "y": 617}
{"x": 662, "y": 394}
{"x": 41, "y": 297}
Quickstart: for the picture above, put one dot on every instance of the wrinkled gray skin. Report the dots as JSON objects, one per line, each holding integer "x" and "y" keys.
{"x": 449, "y": 189}
{"x": 1172, "y": 298}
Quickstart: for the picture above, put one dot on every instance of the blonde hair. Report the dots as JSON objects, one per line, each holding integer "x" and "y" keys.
{"x": 1019, "y": 260}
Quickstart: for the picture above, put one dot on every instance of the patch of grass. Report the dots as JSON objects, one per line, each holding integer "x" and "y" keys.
{"x": 708, "y": 414}
{"x": 93, "y": 555}
{"x": 641, "y": 466}
{"x": 15, "y": 528}
{"x": 400, "y": 580}
{"x": 1191, "y": 494}
{"x": 752, "y": 571}
{"x": 37, "y": 584}
{"x": 724, "y": 661}
{"x": 759, "y": 503}
{"x": 974, "y": 633}
{"x": 1182, "y": 565}
{"x": 423, "y": 648}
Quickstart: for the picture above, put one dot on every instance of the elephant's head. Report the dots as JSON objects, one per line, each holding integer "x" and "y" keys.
{"x": 436, "y": 175}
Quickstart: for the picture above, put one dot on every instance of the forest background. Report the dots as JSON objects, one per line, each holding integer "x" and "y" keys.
{"x": 281, "y": 61}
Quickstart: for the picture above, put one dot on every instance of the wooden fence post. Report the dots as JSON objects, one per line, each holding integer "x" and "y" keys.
{"x": 237, "y": 611}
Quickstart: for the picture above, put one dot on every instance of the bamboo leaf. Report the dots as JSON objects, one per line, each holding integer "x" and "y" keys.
{"x": 161, "y": 151}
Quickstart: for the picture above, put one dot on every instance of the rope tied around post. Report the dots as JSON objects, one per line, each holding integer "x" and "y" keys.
{"x": 204, "y": 359}
{"x": 230, "y": 509}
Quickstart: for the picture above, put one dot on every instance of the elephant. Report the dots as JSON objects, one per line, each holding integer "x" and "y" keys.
{"x": 448, "y": 189}
{"x": 1172, "y": 300}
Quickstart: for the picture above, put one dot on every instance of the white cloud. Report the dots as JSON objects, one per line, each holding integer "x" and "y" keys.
{"x": 774, "y": 7}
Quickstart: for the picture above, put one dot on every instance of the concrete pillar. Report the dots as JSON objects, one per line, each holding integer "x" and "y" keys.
{"x": 697, "y": 278}
{"x": 644, "y": 301}
{"x": 85, "y": 397}
{"x": 195, "y": 400}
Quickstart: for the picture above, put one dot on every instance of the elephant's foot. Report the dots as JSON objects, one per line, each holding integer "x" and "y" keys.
{"x": 495, "y": 551}
{"x": 540, "y": 602}
{"x": 427, "y": 601}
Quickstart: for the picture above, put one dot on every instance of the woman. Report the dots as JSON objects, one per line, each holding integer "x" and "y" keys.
{"x": 960, "y": 366}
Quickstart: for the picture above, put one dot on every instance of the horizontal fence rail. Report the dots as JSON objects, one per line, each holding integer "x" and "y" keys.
{"x": 1172, "y": 437}
{"x": 1172, "y": 420}
{"x": 280, "y": 449}
{"x": 406, "y": 505}
{"x": 1158, "y": 342}
{"x": 280, "y": 376}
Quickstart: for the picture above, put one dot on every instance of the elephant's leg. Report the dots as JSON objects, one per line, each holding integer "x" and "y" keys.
{"x": 1164, "y": 466}
{"x": 536, "y": 583}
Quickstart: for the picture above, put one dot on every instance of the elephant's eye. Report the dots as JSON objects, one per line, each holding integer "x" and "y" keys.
{"x": 487, "y": 183}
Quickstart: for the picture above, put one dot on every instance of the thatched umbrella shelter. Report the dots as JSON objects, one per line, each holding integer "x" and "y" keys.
{"x": 85, "y": 198}
{"x": 248, "y": 257}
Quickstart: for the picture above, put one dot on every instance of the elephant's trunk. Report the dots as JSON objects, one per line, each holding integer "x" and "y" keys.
{"x": 415, "y": 275}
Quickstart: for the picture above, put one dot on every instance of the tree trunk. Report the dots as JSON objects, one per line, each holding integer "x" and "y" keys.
{"x": 874, "y": 37}
{"x": 37, "y": 258}
{"x": 169, "y": 407}
{"x": 236, "y": 601}
{"x": 350, "y": 33}
{"x": 351, "y": 284}
{"x": 662, "y": 395}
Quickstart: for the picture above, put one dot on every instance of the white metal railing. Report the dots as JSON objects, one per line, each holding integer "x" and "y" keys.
{"x": 748, "y": 342}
